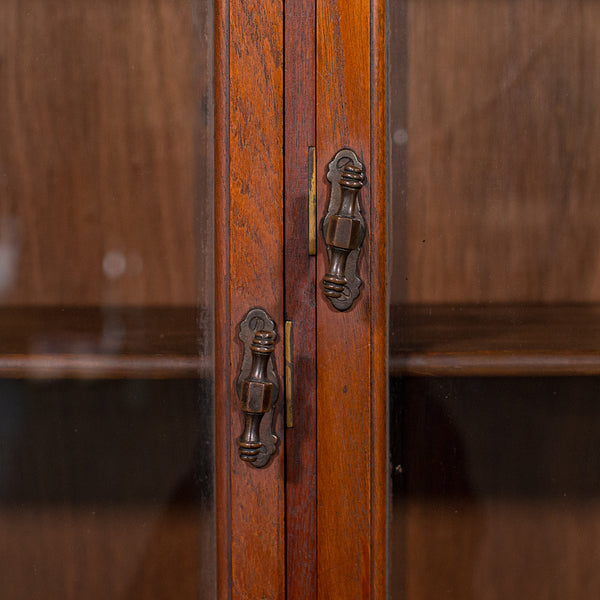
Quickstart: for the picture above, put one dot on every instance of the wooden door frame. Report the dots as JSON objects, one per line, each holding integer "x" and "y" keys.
{"x": 300, "y": 305}
{"x": 352, "y": 346}
{"x": 333, "y": 470}
{"x": 249, "y": 273}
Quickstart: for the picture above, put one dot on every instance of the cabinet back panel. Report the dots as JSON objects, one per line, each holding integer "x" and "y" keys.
{"x": 104, "y": 129}
{"x": 106, "y": 490}
{"x": 495, "y": 150}
{"x": 495, "y": 488}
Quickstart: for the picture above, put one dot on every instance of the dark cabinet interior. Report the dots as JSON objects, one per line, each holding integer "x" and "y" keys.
{"x": 495, "y": 486}
{"x": 106, "y": 488}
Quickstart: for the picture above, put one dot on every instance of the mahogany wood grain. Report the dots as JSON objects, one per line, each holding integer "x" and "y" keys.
{"x": 495, "y": 340}
{"x": 300, "y": 273}
{"x": 500, "y": 143}
{"x": 350, "y": 386}
{"x": 256, "y": 279}
{"x": 105, "y": 153}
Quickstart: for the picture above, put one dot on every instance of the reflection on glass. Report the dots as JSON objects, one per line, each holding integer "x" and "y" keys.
{"x": 496, "y": 486}
{"x": 495, "y": 291}
{"x": 105, "y": 489}
{"x": 106, "y": 315}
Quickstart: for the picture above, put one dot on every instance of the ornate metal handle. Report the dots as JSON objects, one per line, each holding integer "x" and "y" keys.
{"x": 258, "y": 388}
{"x": 343, "y": 229}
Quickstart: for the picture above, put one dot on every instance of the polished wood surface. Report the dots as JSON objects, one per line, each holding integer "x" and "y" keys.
{"x": 106, "y": 143}
{"x": 255, "y": 278}
{"x": 496, "y": 149}
{"x": 343, "y": 383}
{"x": 301, "y": 442}
{"x": 495, "y": 340}
{"x": 351, "y": 345}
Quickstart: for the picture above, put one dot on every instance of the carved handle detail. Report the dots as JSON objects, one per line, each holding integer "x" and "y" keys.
{"x": 257, "y": 388}
{"x": 343, "y": 229}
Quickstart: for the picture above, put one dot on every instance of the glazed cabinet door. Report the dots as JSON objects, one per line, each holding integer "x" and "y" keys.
{"x": 250, "y": 299}
{"x": 494, "y": 291}
{"x": 351, "y": 299}
{"x": 491, "y": 135}
{"x": 141, "y": 161}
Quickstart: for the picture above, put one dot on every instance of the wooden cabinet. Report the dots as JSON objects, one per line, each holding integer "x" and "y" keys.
{"x": 157, "y": 160}
{"x": 163, "y": 170}
{"x": 321, "y": 91}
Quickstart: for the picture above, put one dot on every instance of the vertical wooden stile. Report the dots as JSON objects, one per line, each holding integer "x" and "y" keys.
{"x": 300, "y": 299}
{"x": 249, "y": 273}
{"x": 223, "y": 322}
{"x": 351, "y": 345}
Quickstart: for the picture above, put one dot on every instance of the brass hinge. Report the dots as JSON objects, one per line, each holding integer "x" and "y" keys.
{"x": 312, "y": 201}
{"x": 289, "y": 375}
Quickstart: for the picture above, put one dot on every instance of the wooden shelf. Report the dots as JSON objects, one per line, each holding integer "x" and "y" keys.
{"x": 101, "y": 343}
{"x": 164, "y": 342}
{"x": 455, "y": 340}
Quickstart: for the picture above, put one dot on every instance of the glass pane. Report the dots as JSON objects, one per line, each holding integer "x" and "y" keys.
{"x": 106, "y": 311}
{"x": 495, "y": 292}
{"x": 496, "y": 487}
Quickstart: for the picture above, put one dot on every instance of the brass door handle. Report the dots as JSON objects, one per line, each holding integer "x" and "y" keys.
{"x": 343, "y": 229}
{"x": 258, "y": 388}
